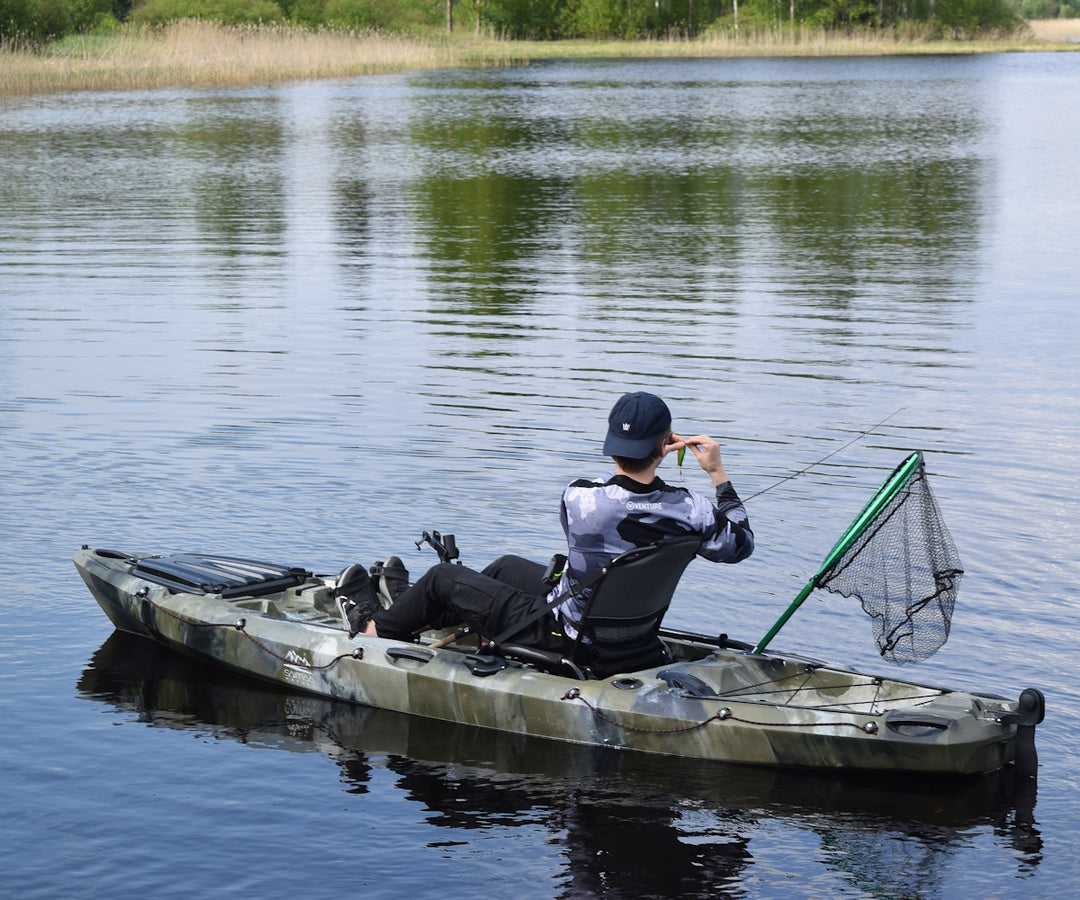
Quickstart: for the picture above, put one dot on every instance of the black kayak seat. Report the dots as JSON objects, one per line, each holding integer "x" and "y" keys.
{"x": 229, "y": 576}
{"x": 622, "y": 617}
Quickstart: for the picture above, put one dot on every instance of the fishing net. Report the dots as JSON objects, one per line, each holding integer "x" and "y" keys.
{"x": 903, "y": 566}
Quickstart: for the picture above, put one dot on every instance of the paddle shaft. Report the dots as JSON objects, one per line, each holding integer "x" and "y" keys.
{"x": 450, "y": 638}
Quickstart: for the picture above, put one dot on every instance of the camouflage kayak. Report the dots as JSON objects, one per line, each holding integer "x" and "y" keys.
{"x": 713, "y": 701}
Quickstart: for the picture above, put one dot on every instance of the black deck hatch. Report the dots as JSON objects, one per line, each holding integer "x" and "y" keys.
{"x": 229, "y": 576}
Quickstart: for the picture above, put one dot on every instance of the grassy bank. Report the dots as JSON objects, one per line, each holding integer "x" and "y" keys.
{"x": 201, "y": 54}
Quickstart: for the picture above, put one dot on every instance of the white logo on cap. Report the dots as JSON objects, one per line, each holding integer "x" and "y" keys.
{"x": 625, "y": 426}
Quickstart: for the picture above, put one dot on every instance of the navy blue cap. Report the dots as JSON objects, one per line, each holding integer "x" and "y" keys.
{"x": 636, "y": 423}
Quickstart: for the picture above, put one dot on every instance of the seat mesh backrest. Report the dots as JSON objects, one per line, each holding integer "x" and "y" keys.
{"x": 630, "y": 600}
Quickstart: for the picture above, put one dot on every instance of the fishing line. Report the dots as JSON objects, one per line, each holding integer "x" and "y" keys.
{"x": 857, "y": 437}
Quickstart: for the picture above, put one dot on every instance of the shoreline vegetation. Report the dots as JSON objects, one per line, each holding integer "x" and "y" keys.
{"x": 200, "y": 54}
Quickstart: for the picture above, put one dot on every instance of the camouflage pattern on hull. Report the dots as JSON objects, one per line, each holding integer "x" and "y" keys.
{"x": 711, "y": 704}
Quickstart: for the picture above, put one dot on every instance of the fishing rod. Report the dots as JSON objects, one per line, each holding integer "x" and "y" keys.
{"x": 803, "y": 471}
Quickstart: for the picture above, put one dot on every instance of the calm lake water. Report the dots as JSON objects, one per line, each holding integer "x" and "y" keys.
{"x": 306, "y": 323}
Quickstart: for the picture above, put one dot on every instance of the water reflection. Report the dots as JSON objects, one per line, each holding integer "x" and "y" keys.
{"x": 480, "y": 235}
{"x": 691, "y": 179}
{"x": 627, "y": 825}
{"x": 777, "y": 228}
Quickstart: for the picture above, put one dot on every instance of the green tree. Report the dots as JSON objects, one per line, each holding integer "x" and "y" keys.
{"x": 606, "y": 18}
{"x": 41, "y": 20}
{"x": 968, "y": 18}
{"x": 231, "y": 12}
{"x": 534, "y": 19}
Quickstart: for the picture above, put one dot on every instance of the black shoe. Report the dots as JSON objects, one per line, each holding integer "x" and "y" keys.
{"x": 355, "y": 599}
{"x": 391, "y": 577}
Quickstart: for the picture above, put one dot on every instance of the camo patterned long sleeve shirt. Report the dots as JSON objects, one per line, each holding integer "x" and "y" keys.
{"x": 605, "y": 518}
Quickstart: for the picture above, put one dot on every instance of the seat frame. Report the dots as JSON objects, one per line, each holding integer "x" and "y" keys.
{"x": 619, "y": 628}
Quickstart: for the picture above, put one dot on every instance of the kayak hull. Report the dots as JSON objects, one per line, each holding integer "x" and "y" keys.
{"x": 710, "y": 703}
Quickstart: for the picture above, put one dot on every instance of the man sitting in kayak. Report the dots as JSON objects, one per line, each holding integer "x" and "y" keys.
{"x": 601, "y": 518}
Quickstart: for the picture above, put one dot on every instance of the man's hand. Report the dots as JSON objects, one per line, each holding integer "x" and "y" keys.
{"x": 707, "y": 452}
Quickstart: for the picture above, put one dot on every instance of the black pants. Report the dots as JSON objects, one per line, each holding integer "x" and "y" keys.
{"x": 508, "y": 591}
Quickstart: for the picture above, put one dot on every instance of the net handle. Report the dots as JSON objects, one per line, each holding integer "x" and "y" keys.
{"x": 885, "y": 494}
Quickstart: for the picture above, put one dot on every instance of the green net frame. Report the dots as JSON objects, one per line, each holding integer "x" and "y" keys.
{"x": 898, "y": 558}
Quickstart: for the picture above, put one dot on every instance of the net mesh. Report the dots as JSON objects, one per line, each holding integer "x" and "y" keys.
{"x": 906, "y": 571}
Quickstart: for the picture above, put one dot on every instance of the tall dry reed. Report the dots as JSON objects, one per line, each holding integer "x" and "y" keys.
{"x": 204, "y": 54}
{"x": 1057, "y": 30}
